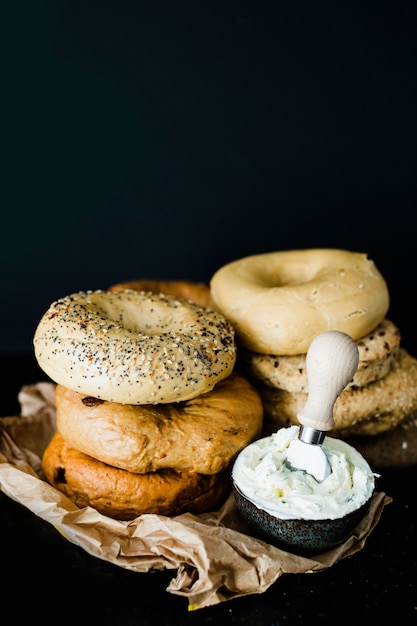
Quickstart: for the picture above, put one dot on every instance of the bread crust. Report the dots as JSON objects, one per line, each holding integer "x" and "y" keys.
{"x": 197, "y": 292}
{"x": 123, "y": 495}
{"x": 201, "y": 435}
{"x": 377, "y": 352}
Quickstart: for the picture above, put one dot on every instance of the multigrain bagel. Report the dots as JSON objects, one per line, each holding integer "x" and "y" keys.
{"x": 280, "y": 301}
{"x": 194, "y": 291}
{"x": 133, "y": 347}
{"x": 122, "y": 495}
{"x": 370, "y": 410}
{"x": 377, "y": 352}
{"x": 201, "y": 435}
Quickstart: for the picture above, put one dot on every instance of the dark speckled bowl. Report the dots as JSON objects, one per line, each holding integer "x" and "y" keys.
{"x": 303, "y": 537}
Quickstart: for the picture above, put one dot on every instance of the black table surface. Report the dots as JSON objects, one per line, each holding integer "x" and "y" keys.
{"x": 377, "y": 583}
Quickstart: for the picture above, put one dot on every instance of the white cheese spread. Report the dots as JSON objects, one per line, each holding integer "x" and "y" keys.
{"x": 262, "y": 475}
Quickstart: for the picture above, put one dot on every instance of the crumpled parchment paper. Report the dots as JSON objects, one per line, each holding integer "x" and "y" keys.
{"x": 214, "y": 557}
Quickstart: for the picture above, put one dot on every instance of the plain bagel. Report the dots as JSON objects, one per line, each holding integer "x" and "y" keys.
{"x": 202, "y": 435}
{"x": 133, "y": 347}
{"x": 280, "y": 301}
{"x": 123, "y": 495}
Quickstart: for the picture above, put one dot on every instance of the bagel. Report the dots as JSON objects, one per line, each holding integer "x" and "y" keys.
{"x": 370, "y": 410}
{"x": 280, "y": 301}
{"x": 392, "y": 449}
{"x": 201, "y": 435}
{"x": 122, "y": 495}
{"x": 377, "y": 353}
{"x": 134, "y": 347}
{"x": 196, "y": 292}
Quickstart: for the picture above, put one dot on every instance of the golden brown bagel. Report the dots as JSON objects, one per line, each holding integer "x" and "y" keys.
{"x": 123, "y": 495}
{"x": 201, "y": 435}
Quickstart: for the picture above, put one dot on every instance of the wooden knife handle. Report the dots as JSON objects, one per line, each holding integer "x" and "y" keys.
{"x": 331, "y": 362}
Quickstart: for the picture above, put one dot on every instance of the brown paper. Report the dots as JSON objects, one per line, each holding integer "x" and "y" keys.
{"x": 214, "y": 557}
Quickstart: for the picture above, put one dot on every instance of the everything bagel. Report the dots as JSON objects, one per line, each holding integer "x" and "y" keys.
{"x": 279, "y": 302}
{"x": 134, "y": 347}
{"x": 369, "y": 410}
{"x": 377, "y": 352}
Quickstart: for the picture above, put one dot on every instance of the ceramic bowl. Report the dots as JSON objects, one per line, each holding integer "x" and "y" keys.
{"x": 292, "y": 509}
{"x": 299, "y": 536}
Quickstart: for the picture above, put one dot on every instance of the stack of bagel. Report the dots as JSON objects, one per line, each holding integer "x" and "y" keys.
{"x": 151, "y": 411}
{"x": 279, "y": 302}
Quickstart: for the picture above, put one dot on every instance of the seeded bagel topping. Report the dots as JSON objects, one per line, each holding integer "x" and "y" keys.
{"x": 134, "y": 347}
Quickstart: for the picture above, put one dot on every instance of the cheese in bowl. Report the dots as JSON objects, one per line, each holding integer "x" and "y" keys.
{"x": 289, "y": 506}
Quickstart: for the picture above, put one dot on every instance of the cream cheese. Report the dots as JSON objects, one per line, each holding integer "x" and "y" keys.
{"x": 260, "y": 472}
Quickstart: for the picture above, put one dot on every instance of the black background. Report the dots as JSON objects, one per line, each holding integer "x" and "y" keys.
{"x": 164, "y": 139}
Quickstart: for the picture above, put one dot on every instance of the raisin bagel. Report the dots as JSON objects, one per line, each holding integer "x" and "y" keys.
{"x": 202, "y": 435}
